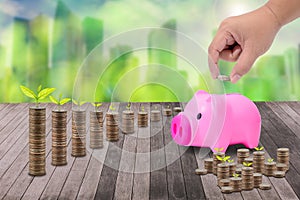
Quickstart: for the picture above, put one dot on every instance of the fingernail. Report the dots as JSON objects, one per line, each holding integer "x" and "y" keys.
{"x": 237, "y": 52}
{"x": 235, "y": 78}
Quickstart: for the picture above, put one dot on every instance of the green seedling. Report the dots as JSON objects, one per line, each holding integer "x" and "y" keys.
{"x": 143, "y": 108}
{"x": 247, "y": 164}
{"x": 155, "y": 107}
{"x": 223, "y": 159}
{"x": 259, "y": 148}
{"x": 39, "y": 95}
{"x": 97, "y": 106}
{"x": 112, "y": 107}
{"x": 168, "y": 106}
{"x": 128, "y": 106}
{"x": 270, "y": 160}
{"x": 78, "y": 103}
{"x": 219, "y": 149}
{"x": 231, "y": 161}
{"x": 235, "y": 175}
{"x": 60, "y": 101}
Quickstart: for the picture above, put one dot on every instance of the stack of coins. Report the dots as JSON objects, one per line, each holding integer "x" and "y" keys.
{"x": 96, "y": 130}
{"x": 258, "y": 161}
{"x": 283, "y": 156}
{"x": 279, "y": 174}
{"x": 128, "y": 121}
{"x": 257, "y": 177}
{"x": 242, "y": 154}
{"x": 216, "y": 161}
{"x": 112, "y": 126}
{"x": 201, "y": 171}
{"x": 265, "y": 186}
{"x": 236, "y": 184}
{"x": 232, "y": 168}
{"x": 37, "y": 141}
{"x": 238, "y": 170}
{"x": 270, "y": 167}
{"x": 176, "y": 110}
{"x": 222, "y": 172}
{"x": 248, "y": 160}
{"x": 224, "y": 182}
{"x": 226, "y": 190}
{"x": 208, "y": 165}
{"x": 78, "y": 133}
{"x": 247, "y": 178}
{"x": 167, "y": 112}
{"x": 155, "y": 115}
{"x": 142, "y": 119}
{"x": 59, "y": 138}
{"x": 281, "y": 167}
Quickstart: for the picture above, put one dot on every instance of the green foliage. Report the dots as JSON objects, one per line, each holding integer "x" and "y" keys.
{"x": 259, "y": 148}
{"x": 112, "y": 107}
{"x": 97, "y": 105}
{"x": 235, "y": 175}
{"x": 142, "y": 108}
{"x": 219, "y": 149}
{"x": 128, "y": 106}
{"x": 247, "y": 164}
{"x": 230, "y": 161}
{"x": 270, "y": 160}
{"x": 60, "y": 101}
{"x": 78, "y": 103}
{"x": 39, "y": 95}
{"x": 223, "y": 159}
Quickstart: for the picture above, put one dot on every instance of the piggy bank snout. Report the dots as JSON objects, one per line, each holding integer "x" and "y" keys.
{"x": 181, "y": 129}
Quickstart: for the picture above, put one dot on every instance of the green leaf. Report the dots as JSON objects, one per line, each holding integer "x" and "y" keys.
{"x": 220, "y": 158}
{"x": 53, "y": 100}
{"x": 111, "y": 107}
{"x": 230, "y": 161}
{"x": 226, "y": 158}
{"x": 261, "y": 148}
{"x": 221, "y": 149}
{"x": 249, "y": 164}
{"x": 216, "y": 149}
{"x": 270, "y": 160}
{"x": 256, "y": 148}
{"x": 64, "y": 101}
{"x": 244, "y": 163}
{"x": 39, "y": 88}
{"x": 74, "y": 101}
{"x": 81, "y": 103}
{"x": 45, "y": 92}
{"x": 26, "y": 91}
{"x": 98, "y": 104}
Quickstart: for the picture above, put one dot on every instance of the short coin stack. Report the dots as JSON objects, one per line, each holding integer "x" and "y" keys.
{"x": 127, "y": 121}
{"x": 224, "y": 182}
{"x": 258, "y": 161}
{"x": 155, "y": 115}
{"x": 242, "y": 154}
{"x": 247, "y": 178}
{"x": 167, "y": 112}
{"x": 281, "y": 167}
{"x": 236, "y": 184}
{"x": 283, "y": 156}
{"x": 257, "y": 177}
{"x": 216, "y": 161}
{"x": 112, "y": 126}
{"x": 59, "y": 138}
{"x": 78, "y": 133}
{"x": 208, "y": 165}
{"x": 176, "y": 110}
{"x": 142, "y": 119}
{"x": 96, "y": 129}
{"x": 270, "y": 168}
{"x": 37, "y": 141}
{"x": 222, "y": 172}
{"x": 232, "y": 168}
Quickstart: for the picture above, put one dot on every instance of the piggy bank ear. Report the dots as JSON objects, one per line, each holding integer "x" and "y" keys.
{"x": 201, "y": 94}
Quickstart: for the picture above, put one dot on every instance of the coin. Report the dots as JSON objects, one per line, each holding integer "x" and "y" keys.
{"x": 222, "y": 172}
{"x": 96, "y": 129}
{"x": 226, "y": 190}
{"x": 216, "y": 161}
{"x": 201, "y": 171}
{"x": 224, "y": 182}
{"x": 242, "y": 154}
{"x": 142, "y": 119}
{"x": 155, "y": 115}
{"x": 281, "y": 167}
{"x": 279, "y": 174}
{"x": 112, "y": 126}
{"x": 177, "y": 110}
{"x": 269, "y": 168}
{"x": 258, "y": 161}
{"x": 236, "y": 184}
{"x": 167, "y": 112}
{"x": 265, "y": 186}
{"x": 247, "y": 178}
{"x": 78, "y": 133}
{"x": 283, "y": 156}
{"x": 223, "y": 78}
{"x": 208, "y": 165}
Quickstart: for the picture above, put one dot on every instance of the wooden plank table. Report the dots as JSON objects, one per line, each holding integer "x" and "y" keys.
{"x": 144, "y": 165}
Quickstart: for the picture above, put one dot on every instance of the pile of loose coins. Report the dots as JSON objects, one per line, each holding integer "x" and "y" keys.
{"x": 37, "y": 141}
{"x": 59, "y": 138}
{"x": 112, "y": 126}
{"x": 96, "y": 130}
{"x": 127, "y": 121}
{"x": 248, "y": 172}
{"x": 142, "y": 119}
{"x": 78, "y": 133}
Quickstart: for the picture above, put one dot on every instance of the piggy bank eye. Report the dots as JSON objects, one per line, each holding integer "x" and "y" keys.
{"x": 199, "y": 116}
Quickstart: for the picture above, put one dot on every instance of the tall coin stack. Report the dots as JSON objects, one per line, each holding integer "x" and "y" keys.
{"x": 270, "y": 168}
{"x": 236, "y": 184}
{"x": 78, "y": 133}
{"x": 142, "y": 119}
{"x": 96, "y": 129}
{"x": 283, "y": 156}
{"x": 232, "y": 168}
{"x": 59, "y": 138}
{"x": 37, "y": 141}
{"x": 167, "y": 112}
{"x": 176, "y": 110}
{"x": 155, "y": 115}
{"x": 258, "y": 161}
{"x": 112, "y": 126}
{"x": 257, "y": 177}
{"x": 222, "y": 172}
{"x": 208, "y": 165}
{"x": 127, "y": 121}
{"x": 216, "y": 161}
{"x": 242, "y": 154}
{"x": 247, "y": 178}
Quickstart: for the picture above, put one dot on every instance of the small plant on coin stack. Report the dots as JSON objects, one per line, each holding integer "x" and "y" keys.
{"x": 37, "y": 130}
{"x": 142, "y": 118}
{"x": 223, "y": 159}
{"x": 112, "y": 124}
{"x": 247, "y": 164}
{"x": 59, "y": 131}
{"x": 78, "y": 103}
{"x": 128, "y": 120}
{"x": 97, "y": 106}
{"x": 96, "y": 127}
{"x": 259, "y": 148}
{"x": 218, "y": 149}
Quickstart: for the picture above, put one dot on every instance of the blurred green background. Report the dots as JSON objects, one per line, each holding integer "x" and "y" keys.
{"x": 46, "y": 42}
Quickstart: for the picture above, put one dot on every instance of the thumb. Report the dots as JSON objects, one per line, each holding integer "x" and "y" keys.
{"x": 244, "y": 64}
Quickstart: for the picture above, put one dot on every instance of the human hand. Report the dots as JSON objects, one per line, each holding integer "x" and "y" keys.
{"x": 243, "y": 39}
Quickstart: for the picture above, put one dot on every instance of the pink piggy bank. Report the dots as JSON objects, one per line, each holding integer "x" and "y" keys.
{"x": 217, "y": 121}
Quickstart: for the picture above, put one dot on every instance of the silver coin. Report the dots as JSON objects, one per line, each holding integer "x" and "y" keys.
{"x": 223, "y": 78}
